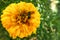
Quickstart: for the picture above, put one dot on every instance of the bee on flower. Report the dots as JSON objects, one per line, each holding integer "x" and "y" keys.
{"x": 20, "y": 19}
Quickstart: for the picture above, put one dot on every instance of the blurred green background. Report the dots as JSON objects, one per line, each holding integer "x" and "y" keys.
{"x": 50, "y": 21}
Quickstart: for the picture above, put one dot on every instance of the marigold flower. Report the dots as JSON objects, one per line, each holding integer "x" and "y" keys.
{"x": 20, "y": 19}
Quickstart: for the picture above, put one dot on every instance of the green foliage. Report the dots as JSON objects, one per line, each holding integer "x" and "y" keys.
{"x": 50, "y": 21}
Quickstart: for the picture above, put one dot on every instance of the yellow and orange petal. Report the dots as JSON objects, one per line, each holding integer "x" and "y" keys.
{"x": 21, "y": 19}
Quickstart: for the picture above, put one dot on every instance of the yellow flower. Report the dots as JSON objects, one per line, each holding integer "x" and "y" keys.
{"x": 21, "y": 19}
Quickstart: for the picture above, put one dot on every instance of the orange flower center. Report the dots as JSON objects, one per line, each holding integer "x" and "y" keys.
{"x": 24, "y": 17}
